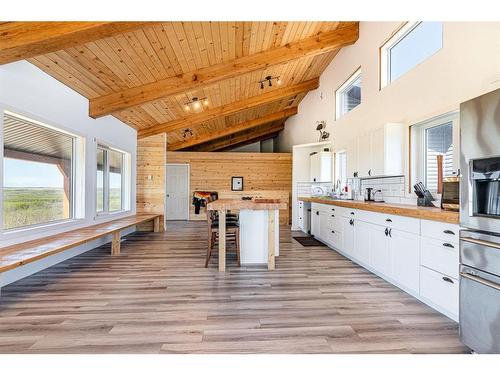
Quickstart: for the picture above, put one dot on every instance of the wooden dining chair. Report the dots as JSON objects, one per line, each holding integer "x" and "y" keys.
{"x": 232, "y": 234}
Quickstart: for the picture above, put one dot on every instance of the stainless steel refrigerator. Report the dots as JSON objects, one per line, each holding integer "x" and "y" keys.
{"x": 480, "y": 222}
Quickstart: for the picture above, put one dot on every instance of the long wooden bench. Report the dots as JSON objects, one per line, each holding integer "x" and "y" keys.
{"x": 20, "y": 254}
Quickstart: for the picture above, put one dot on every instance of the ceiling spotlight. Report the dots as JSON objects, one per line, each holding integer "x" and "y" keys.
{"x": 196, "y": 104}
{"x": 269, "y": 80}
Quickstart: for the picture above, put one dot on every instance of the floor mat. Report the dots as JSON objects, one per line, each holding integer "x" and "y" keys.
{"x": 308, "y": 241}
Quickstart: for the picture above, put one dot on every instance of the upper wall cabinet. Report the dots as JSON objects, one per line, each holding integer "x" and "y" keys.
{"x": 378, "y": 152}
{"x": 321, "y": 166}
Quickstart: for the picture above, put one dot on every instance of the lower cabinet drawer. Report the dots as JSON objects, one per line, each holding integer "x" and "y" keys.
{"x": 439, "y": 289}
{"x": 440, "y": 256}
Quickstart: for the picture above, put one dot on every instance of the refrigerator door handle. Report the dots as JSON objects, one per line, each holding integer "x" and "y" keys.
{"x": 480, "y": 280}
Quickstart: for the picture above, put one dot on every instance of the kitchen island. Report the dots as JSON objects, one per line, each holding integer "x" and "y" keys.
{"x": 259, "y": 229}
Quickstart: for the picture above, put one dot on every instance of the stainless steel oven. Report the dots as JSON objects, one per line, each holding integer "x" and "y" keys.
{"x": 480, "y": 221}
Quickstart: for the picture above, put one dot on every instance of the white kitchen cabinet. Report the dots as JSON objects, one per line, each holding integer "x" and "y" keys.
{"x": 351, "y": 151}
{"x": 378, "y": 152}
{"x": 404, "y": 250}
{"x": 440, "y": 290}
{"x": 363, "y": 241}
{"x": 420, "y": 256}
{"x": 348, "y": 235}
{"x": 380, "y": 251}
{"x": 321, "y": 167}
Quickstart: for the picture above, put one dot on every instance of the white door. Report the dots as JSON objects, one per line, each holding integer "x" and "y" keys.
{"x": 177, "y": 192}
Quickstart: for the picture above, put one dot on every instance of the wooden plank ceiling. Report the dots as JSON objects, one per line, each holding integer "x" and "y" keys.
{"x": 144, "y": 73}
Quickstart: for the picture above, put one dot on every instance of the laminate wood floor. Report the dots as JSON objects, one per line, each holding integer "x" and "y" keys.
{"x": 156, "y": 297}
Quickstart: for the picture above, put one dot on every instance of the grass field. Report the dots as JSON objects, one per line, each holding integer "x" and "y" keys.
{"x": 30, "y": 206}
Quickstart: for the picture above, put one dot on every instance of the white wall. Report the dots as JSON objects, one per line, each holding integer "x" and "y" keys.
{"x": 467, "y": 66}
{"x": 26, "y": 90}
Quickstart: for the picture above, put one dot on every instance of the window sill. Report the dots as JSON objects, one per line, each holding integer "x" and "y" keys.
{"x": 103, "y": 215}
{"x": 38, "y": 231}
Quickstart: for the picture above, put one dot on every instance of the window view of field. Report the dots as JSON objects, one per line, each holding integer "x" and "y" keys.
{"x": 29, "y": 206}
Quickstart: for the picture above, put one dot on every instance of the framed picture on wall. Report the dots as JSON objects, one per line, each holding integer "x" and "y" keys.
{"x": 237, "y": 183}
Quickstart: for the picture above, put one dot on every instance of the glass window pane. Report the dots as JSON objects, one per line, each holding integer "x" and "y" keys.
{"x": 438, "y": 141}
{"x": 37, "y": 173}
{"x": 100, "y": 180}
{"x": 115, "y": 180}
{"x": 351, "y": 96}
{"x": 416, "y": 46}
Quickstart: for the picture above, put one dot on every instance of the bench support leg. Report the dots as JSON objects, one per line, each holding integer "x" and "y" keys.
{"x": 156, "y": 224}
{"x": 115, "y": 244}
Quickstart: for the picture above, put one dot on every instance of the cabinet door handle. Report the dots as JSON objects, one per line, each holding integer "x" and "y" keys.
{"x": 390, "y": 232}
{"x": 448, "y": 280}
{"x": 446, "y": 244}
{"x": 386, "y": 232}
{"x": 333, "y": 231}
{"x": 317, "y": 212}
{"x": 369, "y": 172}
{"x": 447, "y": 231}
{"x": 388, "y": 220}
{"x": 333, "y": 209}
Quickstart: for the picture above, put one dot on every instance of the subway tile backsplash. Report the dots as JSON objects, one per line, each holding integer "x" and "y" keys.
{"x": 393, "y": 189}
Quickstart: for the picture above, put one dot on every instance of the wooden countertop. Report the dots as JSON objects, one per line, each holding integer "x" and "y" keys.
{"x": 427, "y": 213}
{"x": 240, "y": 204}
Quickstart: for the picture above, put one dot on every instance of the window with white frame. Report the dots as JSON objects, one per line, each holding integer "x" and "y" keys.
{"x": 112, "y": 180}
{"x": 409, "y": 46}
{"x": 348, "y": 96}
{"x": 39, "y": 173}
{"x": 341, "y": 168}
{"x": 436, "y": 147}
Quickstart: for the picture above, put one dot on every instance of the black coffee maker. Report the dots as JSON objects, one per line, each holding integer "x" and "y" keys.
{"x": 369, "y": 195}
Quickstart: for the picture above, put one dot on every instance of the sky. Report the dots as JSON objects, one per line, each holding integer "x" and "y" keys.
{"x": 27, "y": 174}
{"x": 404, "y": 56}
{"x": 20, "y": 173}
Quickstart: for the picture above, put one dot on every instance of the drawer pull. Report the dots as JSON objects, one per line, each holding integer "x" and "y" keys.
{"x": 333, "y": 215}
{"x": 446, "y": 244}
{"x": 447, "y": 231}
{"x": 333, "y": 209}
{"x": 448, "y": 280}
{"x": 333, "y": 231}
{"x": 388, "y": 220}
{"x": 352, "y": 213}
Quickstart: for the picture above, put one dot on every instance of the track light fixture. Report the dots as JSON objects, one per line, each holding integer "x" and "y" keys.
{"x": 269, "y": 80}
{"x": 196, "y": 104}
{"x": 187, "y": 132}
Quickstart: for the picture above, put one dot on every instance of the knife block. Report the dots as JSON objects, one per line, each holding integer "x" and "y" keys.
{"x": 426, "y": 200}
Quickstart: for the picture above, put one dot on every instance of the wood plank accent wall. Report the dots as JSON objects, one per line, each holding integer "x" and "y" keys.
{"x": 150, "y": 190}
{"x": 266, "y": 174}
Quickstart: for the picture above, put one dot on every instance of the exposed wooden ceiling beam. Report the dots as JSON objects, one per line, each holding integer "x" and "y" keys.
{"x": 198, "y": 79}
{"x": 22, "y": 40}
{"x": 231, "y": 108}
{"x": 233, "y": 129}
{"x": 247, "y": 136}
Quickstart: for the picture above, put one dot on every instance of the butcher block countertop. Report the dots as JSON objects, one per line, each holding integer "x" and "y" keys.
{"x": 240, "y": 204}
{"x": 427, "y": 213}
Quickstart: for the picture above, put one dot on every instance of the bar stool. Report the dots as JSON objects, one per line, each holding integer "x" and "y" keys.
{"x": 232, "y": 233}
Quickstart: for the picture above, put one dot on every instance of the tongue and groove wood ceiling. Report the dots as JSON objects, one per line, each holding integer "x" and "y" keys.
{"x": 144, "y": 73}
